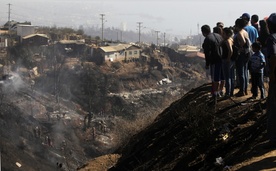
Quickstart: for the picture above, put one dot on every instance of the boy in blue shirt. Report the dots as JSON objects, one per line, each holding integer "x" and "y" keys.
{"x": 256, "y": 67}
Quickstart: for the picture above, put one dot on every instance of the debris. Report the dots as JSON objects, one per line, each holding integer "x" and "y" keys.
{"x": 18, "y": 164}
{"x": 225, "y": 137}
{"x": 219, "y": 161}
{"x": 227, "y": 168}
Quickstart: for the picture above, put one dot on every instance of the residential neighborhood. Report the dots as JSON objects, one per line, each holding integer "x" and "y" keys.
{"x": 137, "y": 85}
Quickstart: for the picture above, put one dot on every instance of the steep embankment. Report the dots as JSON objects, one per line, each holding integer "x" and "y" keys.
{"x": 192, "y": 134}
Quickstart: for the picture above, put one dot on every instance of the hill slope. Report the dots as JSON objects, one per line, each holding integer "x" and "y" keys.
{"x": 192, "y": 134}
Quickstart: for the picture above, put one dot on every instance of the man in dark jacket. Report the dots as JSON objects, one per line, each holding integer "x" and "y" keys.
{"x": 213, "y": 52}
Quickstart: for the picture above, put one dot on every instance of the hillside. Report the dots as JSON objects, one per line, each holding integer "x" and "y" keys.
{"x": 193, "y": 135}
{"x": 54, "y": 120}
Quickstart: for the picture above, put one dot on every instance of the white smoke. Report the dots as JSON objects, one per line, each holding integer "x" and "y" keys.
{"x": 124, "y": 26}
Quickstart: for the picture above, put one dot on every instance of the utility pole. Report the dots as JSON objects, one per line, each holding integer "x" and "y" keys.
{"x": 9, "y": 39}
{"x": 199, "y": 36}
{"x": 121, "y": 36}
{"x": 164, "y": 39}
{"x": 102, "y": 18}
{"x": 139, "y": 31}
{"x": 9, "y": 15}
{"x": 157, "y": 37}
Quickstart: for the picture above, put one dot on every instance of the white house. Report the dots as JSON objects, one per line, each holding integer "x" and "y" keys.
{"x": 125, "y": 52}
{"x": 3, "y": 38}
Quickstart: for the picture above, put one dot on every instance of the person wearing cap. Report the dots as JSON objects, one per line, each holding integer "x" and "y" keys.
{"x": 271, "y": 100}
{"x": 252, "y": 31}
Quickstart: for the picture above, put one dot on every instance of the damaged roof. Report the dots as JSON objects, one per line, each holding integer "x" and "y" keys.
{"x": 116, "y": 48}
{"x": 33, "y": 35}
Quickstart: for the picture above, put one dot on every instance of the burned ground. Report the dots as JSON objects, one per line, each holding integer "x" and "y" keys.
{"x": 44, "y": 117}
{"x": 191, "y": 134}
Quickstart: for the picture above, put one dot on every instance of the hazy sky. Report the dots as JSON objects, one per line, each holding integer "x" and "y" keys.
{"x": 179, "y": 17}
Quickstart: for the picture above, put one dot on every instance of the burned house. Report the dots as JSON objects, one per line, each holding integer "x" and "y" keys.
{"x": 71, "y": 47}
{"x": 35, "y": 40}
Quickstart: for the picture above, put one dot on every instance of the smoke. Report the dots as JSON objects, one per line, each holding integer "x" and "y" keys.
{"x": 124, "y": 26}
{"x": 12, "y": 82}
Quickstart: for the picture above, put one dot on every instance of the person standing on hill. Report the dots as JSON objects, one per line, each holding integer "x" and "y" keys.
{"x": 219, "y": 30}
{"x": 271, "y": 100}
{"x": 227, "y": 63}
{"x": 220, "y": 24}
{"x": 257, "y": 63}
{"x": 254, "y": 22}
{"x": 263, "y": 36}
{"x": 252, "y": 31}
{"x": 243, "y": 43}
{"x": 213, "y": 57}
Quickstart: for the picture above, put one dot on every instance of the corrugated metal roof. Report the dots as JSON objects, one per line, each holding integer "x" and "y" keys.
{"x": 4, "y": 31}
{"x": 32, "y": 35}
{"x": 188, "y": 48}
{"x": 108, "y": 49}
{"x": 196, "y": 54}
{"x": 71, "y": 41}
{"x": 116, "y": 48}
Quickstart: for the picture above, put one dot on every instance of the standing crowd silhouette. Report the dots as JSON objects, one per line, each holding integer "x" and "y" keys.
{"x": 240, "y": 55}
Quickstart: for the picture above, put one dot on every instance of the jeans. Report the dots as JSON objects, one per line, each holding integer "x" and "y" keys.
{"x": 257, "y": 80}
{"x": 242, "y": 71}
{"x": 229, "y": 76}
{"x": 271, "y": 112}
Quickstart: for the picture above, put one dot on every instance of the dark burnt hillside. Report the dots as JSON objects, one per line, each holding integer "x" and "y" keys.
{"x": 191, "y": 134}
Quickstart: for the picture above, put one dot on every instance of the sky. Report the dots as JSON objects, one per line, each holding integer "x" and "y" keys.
{"x": 175, "y": 17}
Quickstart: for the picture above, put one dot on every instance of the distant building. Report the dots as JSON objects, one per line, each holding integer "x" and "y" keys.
{"x": 24, "y": 30}
{"x": 120, "y": 52}
{"x": 184, "y": 49}
{"x": 3, "y": 38}
{"x": 35, "y": 39}
{"x": 71, "y": 47}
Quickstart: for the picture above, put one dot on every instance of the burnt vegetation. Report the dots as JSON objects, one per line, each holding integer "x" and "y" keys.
{"x": 191, "y": 135}
{"x": 62, "y": 110}
{"x": 70, "y": 110}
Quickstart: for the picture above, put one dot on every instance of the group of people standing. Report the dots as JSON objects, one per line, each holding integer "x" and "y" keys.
{"x": 249, "y": 48}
